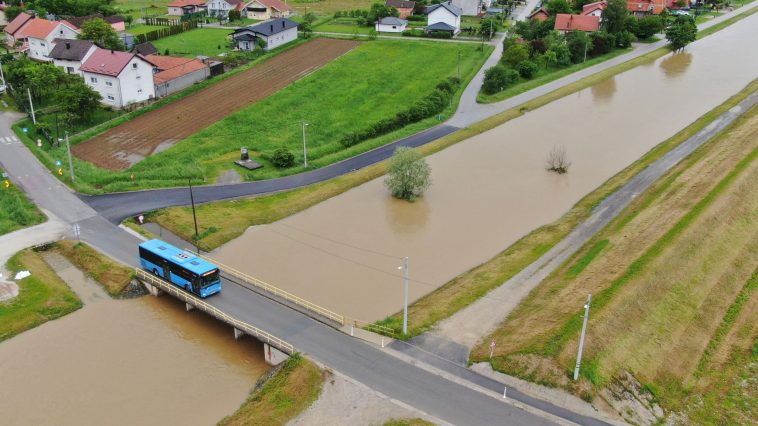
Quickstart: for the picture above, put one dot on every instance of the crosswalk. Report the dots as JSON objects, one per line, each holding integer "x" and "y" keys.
{"x": 9, "y": 140}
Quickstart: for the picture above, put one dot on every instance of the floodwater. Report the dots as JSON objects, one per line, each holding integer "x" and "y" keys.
{"x": 492, "y": 189}
{"x": 143, "y": 361}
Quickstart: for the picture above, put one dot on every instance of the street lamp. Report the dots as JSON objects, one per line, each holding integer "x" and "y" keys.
{"x": 581, "y": 339}
{"x": 405, "y": 294}
{"x": 305, "y": 147}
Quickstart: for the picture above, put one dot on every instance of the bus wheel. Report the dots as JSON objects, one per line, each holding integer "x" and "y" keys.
{"x": 187, "y": 288}
{"x": 155, "y": 272}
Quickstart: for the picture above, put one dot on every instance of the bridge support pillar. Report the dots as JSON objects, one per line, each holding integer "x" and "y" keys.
{"x": 188, "y": 307}
{"x": 273, "y": 356}
{"x": 238, "y": 334}
{"x": 155, "y": 291}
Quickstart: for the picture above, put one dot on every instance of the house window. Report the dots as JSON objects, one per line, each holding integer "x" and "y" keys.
{"x": 111, "y": 98}
{"x": 42, "y": 44}
{"x": 394, "y": 27}
{"x": 139, "y": 77}
{"x": 70, "y": 70}
{"x": 93, "y": 79}
{"x": 134, "y": 65}
{"x": 139, "y": 90}
{"x": 109, "y": 83}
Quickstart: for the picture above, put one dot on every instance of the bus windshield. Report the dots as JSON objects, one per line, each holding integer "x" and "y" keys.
{"x": 208, "y": 278}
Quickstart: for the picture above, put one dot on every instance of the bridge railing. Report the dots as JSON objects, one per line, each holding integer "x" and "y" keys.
{"x": 202, "y": 305}
{"x": 324, "y": 312}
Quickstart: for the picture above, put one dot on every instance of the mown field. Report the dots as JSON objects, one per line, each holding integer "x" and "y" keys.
{"x": 16, "y": 211}
{"x": 673, "y": 281}
{"x": 200, "y": 41}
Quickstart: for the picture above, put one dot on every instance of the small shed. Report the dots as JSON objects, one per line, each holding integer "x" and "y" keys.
{"x": 390, "y": 24}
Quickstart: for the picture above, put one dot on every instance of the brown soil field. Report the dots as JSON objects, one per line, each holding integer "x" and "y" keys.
{"x": 124, "y": 145}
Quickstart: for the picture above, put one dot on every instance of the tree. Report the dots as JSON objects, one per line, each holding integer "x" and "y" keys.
{"x": 235, "y": 15}
{"x": 615, "y": 16}
{"x": 648, "y": 26}
{"x": 379, "y": 11}
{"x": 681, "y": 32}
{"x": 527, "y": 69}
{"x": 101, "y": 33}
{"x": 11, "y": 12}
{"x": 498, "y": 78}
{"x": 76, "y": 100}
{"x": 578, "y": 43}
{"x": 488, "y": 27}
{"x": 557, "y": 161}
{"x": 555, "y": 7}
{"x": 282, "y": 158}
{"x": 409, "y": 175}
{"x": 515, "y": 54}
{"x": 310, "y": 17}
{"x": 306, "y": 28}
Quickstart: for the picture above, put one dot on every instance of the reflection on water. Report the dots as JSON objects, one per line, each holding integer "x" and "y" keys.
{"x": 143, "y": 361}
{"x": 603, "y": 91}
{"x": 492, "y": 189}
{"x": 676, "y": 64}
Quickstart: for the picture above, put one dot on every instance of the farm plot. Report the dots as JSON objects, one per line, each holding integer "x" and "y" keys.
{"x": 127, "y": 144}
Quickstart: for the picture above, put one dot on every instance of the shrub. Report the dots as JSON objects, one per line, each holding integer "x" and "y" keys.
{"x": 537, "y": 47}
{"x": 602, "y": 43}
{"x": 647, "y": 26}
{"x": 515, "y": 55}
{"x": 283, "y": 158}
{"x": 578, "y": 44}
{"x": 497, "y": 78}
{"x": 624, "y": 39}
{"x": 527, "y": 69}
{"x": 408, "y": 175}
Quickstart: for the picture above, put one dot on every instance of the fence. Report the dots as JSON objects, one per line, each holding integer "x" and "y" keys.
{"x": 212, "y": 310}
{"x": 166, "y": 32}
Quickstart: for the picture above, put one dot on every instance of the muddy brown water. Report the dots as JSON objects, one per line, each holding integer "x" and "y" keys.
{"x": 144, "y": 361}
{"x": 492, "y": 189}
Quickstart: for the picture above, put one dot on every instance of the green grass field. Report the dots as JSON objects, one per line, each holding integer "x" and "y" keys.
{"x": 16, "y": 211}
{"x": 42, "y": 297}
{"x": 201, "y": 41}
{"x": 137, "y": 29}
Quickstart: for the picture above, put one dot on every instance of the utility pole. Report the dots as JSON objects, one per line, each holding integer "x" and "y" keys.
{"x": 31, "y": 106}
{"x": 2, "y": 75}
{"x": 405, "y": 294}
{"x": 581, "y": 339}
{"x": 194, "y": 216}
{"x": 305, "y": 148}
{"x": 459, "y": 63}
{"x": 70, "y": 161}
{"x": 585, "y": 51}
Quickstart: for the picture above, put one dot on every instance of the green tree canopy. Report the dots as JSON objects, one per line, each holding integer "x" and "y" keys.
{"x": 515, "y": 54}
{"x": 101, "y": 33}
{"x": 558, "y": 6}
{"x": 614, "y": 16}
{"x": 409, "y": 175}
{"x": 681, "y": 32}
{"x": 76, "y": 100}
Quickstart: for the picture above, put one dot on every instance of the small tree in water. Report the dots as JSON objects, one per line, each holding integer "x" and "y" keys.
{"x": 408, "y": 174}
{"x": 557, "y": 161}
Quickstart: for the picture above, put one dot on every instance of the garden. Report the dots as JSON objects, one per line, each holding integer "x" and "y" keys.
{"x": 200, "y": 41}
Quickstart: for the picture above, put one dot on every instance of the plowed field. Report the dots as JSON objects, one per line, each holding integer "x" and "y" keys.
{"x": 155, "y": 131}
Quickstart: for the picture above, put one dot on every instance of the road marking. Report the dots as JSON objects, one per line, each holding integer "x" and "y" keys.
{"x": 15, "y": 139}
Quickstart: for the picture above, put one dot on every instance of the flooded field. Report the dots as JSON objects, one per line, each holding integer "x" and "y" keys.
{"x": 493, "y": 188}
{"x": 143, "y": 361}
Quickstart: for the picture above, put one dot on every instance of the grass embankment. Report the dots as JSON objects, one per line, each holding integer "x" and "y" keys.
{"x": 113, "y": 277}
{"x": 42, "y": 297}
{"x": 150, "y": 7}
{"x": 200, "y": 41}
{"x": 282, "y": 398}
{"x": 328, "y": 7}
{"x": 16, "y": 211}
{"x": 673, "y": 291}
{"x": 408, "y": 422}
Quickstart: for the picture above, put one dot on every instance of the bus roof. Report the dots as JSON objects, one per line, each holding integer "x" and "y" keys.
{"x": 186, "y": 259}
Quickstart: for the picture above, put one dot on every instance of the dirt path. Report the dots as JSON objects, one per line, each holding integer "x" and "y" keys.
{"x": 126, "y": 144}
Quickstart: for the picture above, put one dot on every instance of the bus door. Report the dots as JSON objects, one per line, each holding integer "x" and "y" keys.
{"x": 196, "y": 284}
{"x": 166, "y": 271}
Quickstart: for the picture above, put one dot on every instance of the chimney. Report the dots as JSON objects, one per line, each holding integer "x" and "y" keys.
{"x": 272, "y": 28}
{"x": 68, "y": 45}
{"x": 112, "y": 52}
{"x": 282, "y": 23}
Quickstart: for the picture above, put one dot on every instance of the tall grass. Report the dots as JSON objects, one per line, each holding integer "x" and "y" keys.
{"x": 16, "y": 211}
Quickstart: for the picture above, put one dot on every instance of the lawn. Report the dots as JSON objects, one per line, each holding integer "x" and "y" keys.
{"x": 137, "y": 29}
{"x": 200, "y": 41}
{"x": 151, "y": 7}
{"x": 328, "y": 7}
{"x": 283, "y": 397}
{"x": 42, "y": 297}
{"x": 16, "y": 211}
{"x": 672, "y": 279}
{"x": 343, "y": 25}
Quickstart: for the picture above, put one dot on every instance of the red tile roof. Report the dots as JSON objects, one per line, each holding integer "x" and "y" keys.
{"x": 107, "y": 62}
{"x": 18, "y": 23}
{"x": 591, "y": 7}
{"x": 649, "y": 6}
{"x": 275, "y": 4}
{"x": 566, "y": 22}
{"x": 39, "y": 28}
{"x": 182, "y": 3}
{"x": 540, "y": 14}
{"x": 171, "y": 67}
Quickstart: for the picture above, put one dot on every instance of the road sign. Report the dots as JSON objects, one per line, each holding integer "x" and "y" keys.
{"x": 58, "y": 163}
{"x": 25, "y": 130}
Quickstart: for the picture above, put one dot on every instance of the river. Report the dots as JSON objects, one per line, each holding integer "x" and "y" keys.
{"x": 143, "y": 361}
{"x": 491, "y": 189}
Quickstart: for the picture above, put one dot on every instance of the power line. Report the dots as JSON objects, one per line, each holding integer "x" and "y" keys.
{"x": 331, "y": 240}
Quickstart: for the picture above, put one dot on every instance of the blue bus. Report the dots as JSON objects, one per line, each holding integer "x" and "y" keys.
{"x": 181, "y": 268}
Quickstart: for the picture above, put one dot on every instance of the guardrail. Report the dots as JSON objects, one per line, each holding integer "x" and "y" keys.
{"x": 202, "y": 305}
{"x": 334, "y": 316}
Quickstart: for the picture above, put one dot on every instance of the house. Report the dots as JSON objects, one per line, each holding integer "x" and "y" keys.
{"x": 405, "y": 8}
{"x": 175, "y": 73}
{"x": 267, "y": 9}
{"x": 13, "y": 30}
{"x": 567, "y": 23}
{"x": 145, "y": 49}
{"x": 595, "y": 9}
{"x": 273, "y": 33}
{"x": 41, "y": 33}
{"x": 540, "y": 14}
{"x": 221, "y": 8}
{"x": 443, "y": 17}
{"x": 390, "y": 24}
{"x": 121, "y": 78}
{"x": 472, "y": 7}
{"x": 71, "y": 54}
{"x": 645, "y": 7}
{"x": 116, "y": 22}
{"x": 185, "y": 7}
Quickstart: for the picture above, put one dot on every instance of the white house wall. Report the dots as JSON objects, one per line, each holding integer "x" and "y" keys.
{"x": 39, "y": 49}
{"x": 383, "y": 28}
{"x": 180, "y": 83}
{"x": 441, "y": 14}
{"x": 468, "y": 7}
{"x": 175, "y": 11}
{"x": 281, "y": 38}
{"x": 132, "y": 85}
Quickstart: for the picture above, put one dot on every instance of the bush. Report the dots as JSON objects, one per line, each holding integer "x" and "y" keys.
{"x": 515, "y": 55}
{"x": 602, "y": 43}
{"x": 647, "y": 26}
{"x": 624, "y": 39}
{"x": 283, "y": 158}
{"x": 527, "y": 69}
{"x": 578, "y": 44}
{"x": 537, "y": 47}
{"x": 497, "y": 78}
